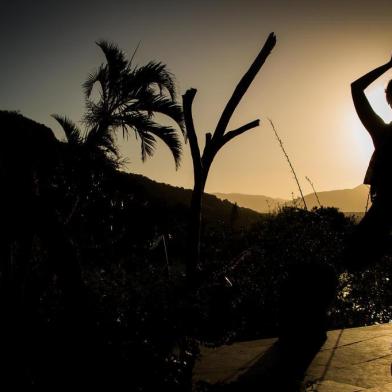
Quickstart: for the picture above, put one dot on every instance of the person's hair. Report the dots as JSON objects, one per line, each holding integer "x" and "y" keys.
{"x": 388, "y": 92}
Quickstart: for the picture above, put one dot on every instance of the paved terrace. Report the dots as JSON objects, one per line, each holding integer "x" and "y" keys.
{"x": 355, "y": 359}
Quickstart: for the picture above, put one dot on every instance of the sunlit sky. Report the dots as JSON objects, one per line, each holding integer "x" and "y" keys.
{"x": 48, "y": 50}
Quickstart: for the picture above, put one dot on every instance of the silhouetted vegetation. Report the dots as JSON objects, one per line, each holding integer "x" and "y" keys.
{"x": 94, "y": 261}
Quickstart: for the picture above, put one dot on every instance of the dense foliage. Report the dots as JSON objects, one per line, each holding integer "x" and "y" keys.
{"x": 96, "y": 294}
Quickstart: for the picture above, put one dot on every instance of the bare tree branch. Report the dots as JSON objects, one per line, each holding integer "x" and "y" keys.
{"x": 187, "y": 101}
{"x": 213, "y": 143}
{"x": 236, "y": 132}
{"x": 243, "y": 85}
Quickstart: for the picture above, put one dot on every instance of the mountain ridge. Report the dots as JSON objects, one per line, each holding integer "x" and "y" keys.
{"x": 348, "y": 200}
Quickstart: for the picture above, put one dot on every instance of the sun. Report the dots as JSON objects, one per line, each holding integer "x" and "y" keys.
{"x": 357, "y": 136}
{"x": 360, "y": 139}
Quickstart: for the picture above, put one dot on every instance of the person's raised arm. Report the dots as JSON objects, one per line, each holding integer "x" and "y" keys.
{"x": 371, "y": 121}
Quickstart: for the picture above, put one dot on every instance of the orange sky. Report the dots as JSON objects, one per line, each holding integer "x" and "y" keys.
{"x": 304, "y": 87}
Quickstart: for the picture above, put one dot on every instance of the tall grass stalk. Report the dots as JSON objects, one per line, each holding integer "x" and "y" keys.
{"x": 314, "y": 191}
{"x": 290, "y": 164}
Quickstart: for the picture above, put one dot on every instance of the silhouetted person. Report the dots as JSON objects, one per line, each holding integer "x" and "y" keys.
{"x": 371, "y": 235}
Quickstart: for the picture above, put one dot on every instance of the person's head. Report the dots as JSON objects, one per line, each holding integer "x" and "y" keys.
{"x": 388, "y": 92}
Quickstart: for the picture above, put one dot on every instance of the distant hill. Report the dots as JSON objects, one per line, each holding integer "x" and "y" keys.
{"x": 260, "y": 203}
{"x": 27, "y": 144}
{"x": 39, "y": 148}
{"x": 346, "y": 200}
{"x": 177, "y": 200}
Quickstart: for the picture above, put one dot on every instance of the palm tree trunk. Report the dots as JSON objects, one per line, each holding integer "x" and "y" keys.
{"x": 195, "y": 229}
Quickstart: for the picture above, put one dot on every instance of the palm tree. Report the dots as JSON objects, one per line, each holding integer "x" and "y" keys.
{"x": 88, "y": 151}
{"x": 122, "y": 97}
{"x": 127, "y": 98}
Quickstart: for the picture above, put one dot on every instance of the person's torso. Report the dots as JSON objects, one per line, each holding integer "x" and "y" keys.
{"x": 379, "y": 172}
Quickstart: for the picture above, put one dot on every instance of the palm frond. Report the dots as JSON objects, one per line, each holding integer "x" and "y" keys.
{"x": 114, "y": 71}
{"x": 155, "y": 73}
{"x": 152, "y": 103}
{"x": 129, "y": 98}
{"x": 147, "y": 145}
{"x": 115, "y": 57}
{"x": 96, "y": 114}
{"x": 102, "y": 139}
{"x": 72, "y": 132}
{"x": 97, "y": 76}
{"x": 147, "y": 130}
{"x": 169, "y": 136}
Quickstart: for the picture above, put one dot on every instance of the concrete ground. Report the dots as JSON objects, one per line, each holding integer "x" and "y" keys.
{"x": 351, "y": 360}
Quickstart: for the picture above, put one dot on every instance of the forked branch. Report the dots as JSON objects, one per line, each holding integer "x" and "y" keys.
{"x": 244, "y": 84}
{"x": 213, "y": 143}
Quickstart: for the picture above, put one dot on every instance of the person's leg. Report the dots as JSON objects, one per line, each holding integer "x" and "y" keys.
{"x": 369, "y": 239}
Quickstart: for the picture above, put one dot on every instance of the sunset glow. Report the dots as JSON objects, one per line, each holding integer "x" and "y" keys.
{"x": 304, "y": 87}
{"x": 196, "y": 195}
